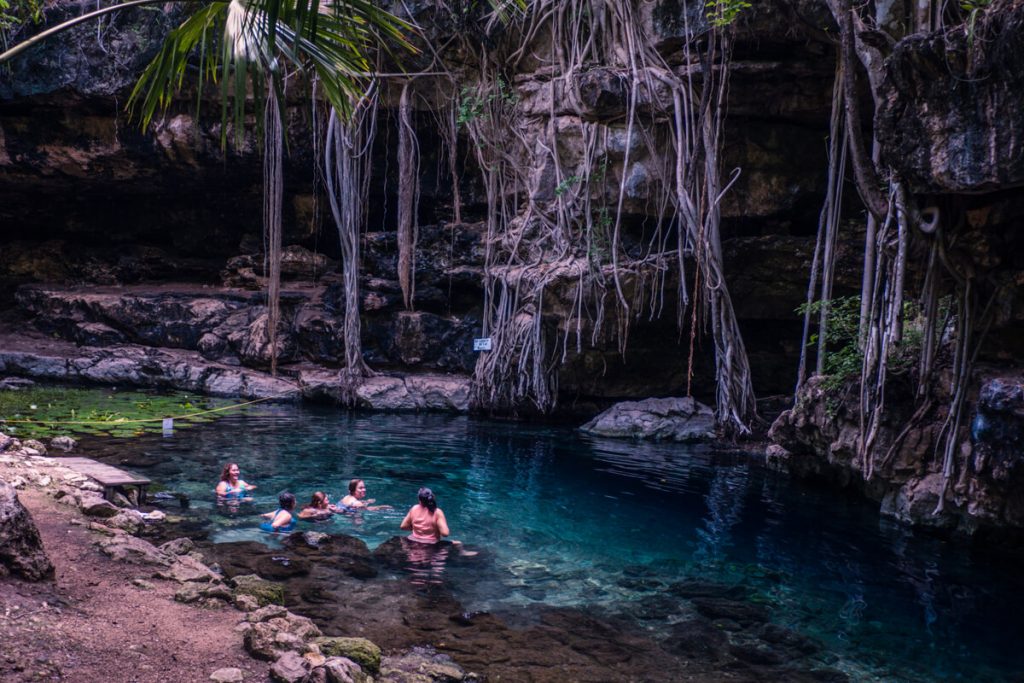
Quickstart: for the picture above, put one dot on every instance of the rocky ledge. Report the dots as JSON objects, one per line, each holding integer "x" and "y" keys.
{"x": 29, "y": 354}
{"x": 819, "y": 437}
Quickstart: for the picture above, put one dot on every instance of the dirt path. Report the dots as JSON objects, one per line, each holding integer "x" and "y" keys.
{"x": 92, "y": 625}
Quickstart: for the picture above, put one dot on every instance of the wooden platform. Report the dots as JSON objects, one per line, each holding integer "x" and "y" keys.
{"x": 107, "y": 476}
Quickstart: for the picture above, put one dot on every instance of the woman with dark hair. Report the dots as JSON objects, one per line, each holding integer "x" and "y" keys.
{"x": 356, "y": 495}
{"x": 230, "y": 485}
{"x": 281, "y": 519}
{"x": 319, "y": 507}
{"x": 426, "y": 521}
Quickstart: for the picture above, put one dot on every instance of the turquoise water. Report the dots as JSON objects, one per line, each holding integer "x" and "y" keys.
{"x": 578, "y": 522}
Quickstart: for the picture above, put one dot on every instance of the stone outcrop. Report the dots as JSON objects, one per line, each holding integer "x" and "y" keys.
{"x": 949, "y": 119}
{"x": 655, "y": 419}
{"x": 21, "y": 549}
{"x": 819, "y": 437}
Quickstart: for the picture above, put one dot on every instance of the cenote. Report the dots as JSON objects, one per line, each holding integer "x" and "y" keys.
{"x": 610, "y": 527}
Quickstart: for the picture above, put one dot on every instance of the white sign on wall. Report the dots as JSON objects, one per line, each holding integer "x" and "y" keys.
{"x": 482, "y": 344}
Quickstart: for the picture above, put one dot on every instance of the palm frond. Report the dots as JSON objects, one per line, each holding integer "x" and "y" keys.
{"x": 331, "y": 39}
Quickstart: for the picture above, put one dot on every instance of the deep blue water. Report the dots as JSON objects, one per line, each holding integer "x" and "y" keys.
{"x": 574, "y": 521}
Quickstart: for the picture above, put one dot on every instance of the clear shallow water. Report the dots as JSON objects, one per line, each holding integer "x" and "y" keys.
{"x": 573, "y": 521}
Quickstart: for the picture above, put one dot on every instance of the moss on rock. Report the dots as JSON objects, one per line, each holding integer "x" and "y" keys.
{"x": 265, "y": 592}
{"x": 363, "y": 652}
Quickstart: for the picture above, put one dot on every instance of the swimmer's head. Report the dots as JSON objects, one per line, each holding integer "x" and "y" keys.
{"x": 229, "y": 472}
{"x": 286, "y": 501}
{"x": 353, "y": 485}
{"x": 318, "y": 500}
{"x": 427, "y": 499}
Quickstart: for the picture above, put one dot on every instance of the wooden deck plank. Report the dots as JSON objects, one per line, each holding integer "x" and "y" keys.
{"x": 105, "y": 475}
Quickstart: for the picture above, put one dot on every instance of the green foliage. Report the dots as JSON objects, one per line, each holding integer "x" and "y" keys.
{"x": 844, "y": 357}
{"x": 566, "y": 185}
{"x": 43, "y": 412}
{"x": 973, "y": 8}
{"x": 330, "y": 41}
{"x": 724, "y": 12}
{"x": 18, "y": 12}
{"x": 599, "y": 242}
{"x": 473, "y": 102}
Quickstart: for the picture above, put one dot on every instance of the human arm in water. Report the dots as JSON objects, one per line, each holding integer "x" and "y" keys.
{"x": 441, "y": 523}
{"x": 224, "y": 488}
{"x": 407, "y": 521}
{"x": 314, "y": 513}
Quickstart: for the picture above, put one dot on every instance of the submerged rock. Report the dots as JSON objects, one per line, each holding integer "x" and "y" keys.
{"x": 421, "y": 665}
{"x": 655, "y": 419}
{"x": 21, "y": 548}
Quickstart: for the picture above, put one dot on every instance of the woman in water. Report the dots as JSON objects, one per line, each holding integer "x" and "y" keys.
{"x": 426, "y": 520}
{"x": 230, "y": 485}
{"x": 356, "y": 495}
{"x": 319, "y": 507}
{"x": 281, "y": 519}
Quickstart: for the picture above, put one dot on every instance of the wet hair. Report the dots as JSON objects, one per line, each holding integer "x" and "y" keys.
{"x": 427, "y": 499}
{"x": 352, "y": 485}
{"x": 317, "y": 500}
{"x": 225, "y": 474}
{"x": 286, "y": 501}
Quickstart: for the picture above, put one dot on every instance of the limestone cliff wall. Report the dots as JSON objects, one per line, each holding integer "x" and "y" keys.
{"x": 88, "y": 199}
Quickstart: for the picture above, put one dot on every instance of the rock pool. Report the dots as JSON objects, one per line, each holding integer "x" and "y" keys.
{"x": 673, "y": 545}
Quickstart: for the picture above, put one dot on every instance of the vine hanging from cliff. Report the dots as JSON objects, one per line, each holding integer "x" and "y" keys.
{"x": 347, "y": 160}
{"x": 537, "y": 237}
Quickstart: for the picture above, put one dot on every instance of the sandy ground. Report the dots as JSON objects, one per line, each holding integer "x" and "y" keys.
{"x": 93, "y": 625}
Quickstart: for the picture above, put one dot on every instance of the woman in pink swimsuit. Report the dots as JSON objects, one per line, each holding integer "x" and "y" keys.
{"x": 426, "y": 520}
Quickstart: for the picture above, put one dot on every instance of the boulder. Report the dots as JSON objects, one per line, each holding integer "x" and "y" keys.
{"x": 265, "y": 592}
{"x": 227, "y": 675}
{"x": 63, "y": 443}
{"x": 187, "y": 569}
{"x": 290, "y": 668}
{"x": 344, "y": 670}
{"x": 268, "y": 640}
{"x": 420, "y": 665}
{"x": 948, "y": 101}
{"x": 127, "y": 520}
{"x": 656, "y": 419}
{"x": 123, "y": 547}
{"x": 34, "y": 445}
{"x": 21, "y": 548}
{"x": 96, "y": 505}
{"x": 246, "y": 603}
{"x": 214, "y": 595}
{"x": 359, "y": 650}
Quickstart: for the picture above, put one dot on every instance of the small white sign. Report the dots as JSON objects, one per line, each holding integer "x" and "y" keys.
{"x": 482, "y": 344}
{"x": 168, "y": 425}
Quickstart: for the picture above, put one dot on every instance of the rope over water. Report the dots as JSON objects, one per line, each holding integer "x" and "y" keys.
{"x": 147, "y": 419}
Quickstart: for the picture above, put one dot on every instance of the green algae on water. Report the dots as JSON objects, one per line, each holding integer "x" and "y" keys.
{"x": 46, "y": 411}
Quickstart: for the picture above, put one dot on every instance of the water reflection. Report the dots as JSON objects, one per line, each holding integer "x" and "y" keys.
{"x": 426, "y": 562}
